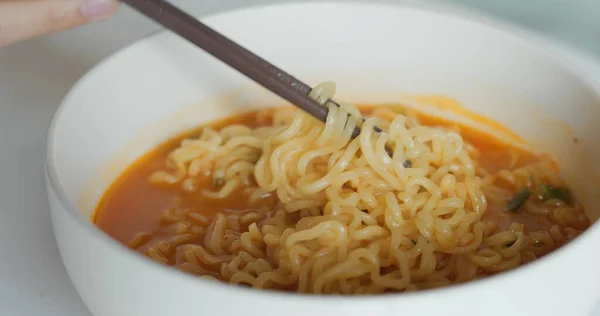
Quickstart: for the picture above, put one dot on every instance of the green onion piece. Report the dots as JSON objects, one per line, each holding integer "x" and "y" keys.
{"x": 548, "y": 192}
{"x": 518, "y": 201}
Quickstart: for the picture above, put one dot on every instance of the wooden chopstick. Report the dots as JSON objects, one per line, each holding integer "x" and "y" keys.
{"x": 234, "y": 55}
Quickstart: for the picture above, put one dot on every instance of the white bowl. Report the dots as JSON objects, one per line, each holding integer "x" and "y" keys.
{"x": 161, "y": 86}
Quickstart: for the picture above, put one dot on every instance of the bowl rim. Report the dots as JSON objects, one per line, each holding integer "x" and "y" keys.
{"x": 534, "y": 41}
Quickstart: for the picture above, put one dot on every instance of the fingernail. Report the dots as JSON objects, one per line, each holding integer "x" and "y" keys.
{"x": 95, "y": 10}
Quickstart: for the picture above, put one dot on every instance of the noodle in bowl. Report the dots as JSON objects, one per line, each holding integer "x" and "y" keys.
{"x": 329, "y": 213}
{"x": 344, "y": 205}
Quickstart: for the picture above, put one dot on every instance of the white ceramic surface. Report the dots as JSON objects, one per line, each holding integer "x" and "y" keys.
{"x": 153, "y": 89}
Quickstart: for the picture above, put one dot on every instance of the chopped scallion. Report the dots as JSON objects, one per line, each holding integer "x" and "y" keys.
{"x": 548, "y": 192}
{"x": 518, "y": 200}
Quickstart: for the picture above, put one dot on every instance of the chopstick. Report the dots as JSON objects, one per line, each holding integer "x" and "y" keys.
{"x": 236, "y": 56}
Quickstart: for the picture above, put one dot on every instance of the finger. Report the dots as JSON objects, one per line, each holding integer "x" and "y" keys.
{"x": 22, "y": 19}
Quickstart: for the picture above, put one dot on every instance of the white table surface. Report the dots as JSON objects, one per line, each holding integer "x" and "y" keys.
{"x": 35, "y": 75}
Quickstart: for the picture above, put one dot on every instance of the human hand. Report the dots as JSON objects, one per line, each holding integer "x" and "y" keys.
{"x": 23, "y": 19}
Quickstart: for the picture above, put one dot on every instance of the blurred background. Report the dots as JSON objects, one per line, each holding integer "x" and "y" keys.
{"x": 576, "y": 22}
